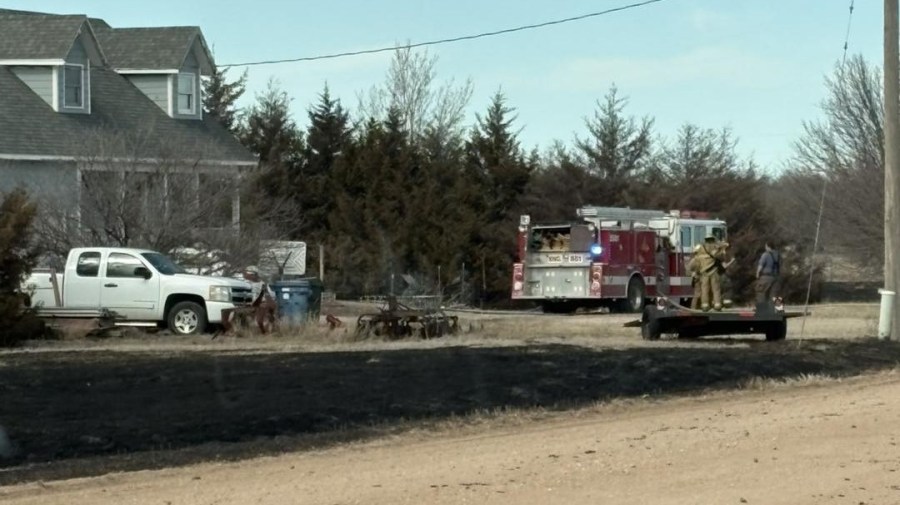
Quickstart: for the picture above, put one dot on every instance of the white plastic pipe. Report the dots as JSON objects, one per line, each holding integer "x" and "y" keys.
{"x": 886, "y": 315}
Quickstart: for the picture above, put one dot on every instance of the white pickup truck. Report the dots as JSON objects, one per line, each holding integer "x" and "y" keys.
{"x": 142, "y": 287}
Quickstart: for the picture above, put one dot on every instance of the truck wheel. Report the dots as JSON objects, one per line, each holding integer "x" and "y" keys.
{"x": 637, "y": 295}
{"x": 187, "y": 318}
{"x": 776, "y": 331}
{"x": 650, "y": 329}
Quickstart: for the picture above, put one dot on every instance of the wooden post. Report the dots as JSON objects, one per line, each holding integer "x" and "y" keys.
{"x": 56, "y": 295}
{"x": 322, "y": 263}
{"x": 891, "y": 154}
{"x": 236, "y": 206}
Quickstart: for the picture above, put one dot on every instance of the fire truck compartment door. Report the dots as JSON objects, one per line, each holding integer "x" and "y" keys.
{"x": 557, "y": 282}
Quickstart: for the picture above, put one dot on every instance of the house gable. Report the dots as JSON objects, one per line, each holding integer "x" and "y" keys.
{"x": 39, "y": 78}
{"x": 52, "y": 55}
{"x": 155, "y": 87}
{"x": 60, "y": 90}
{"x": 167, "y": 64}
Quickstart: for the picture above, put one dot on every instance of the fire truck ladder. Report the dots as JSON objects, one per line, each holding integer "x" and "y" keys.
{"x": 619, "y": 213}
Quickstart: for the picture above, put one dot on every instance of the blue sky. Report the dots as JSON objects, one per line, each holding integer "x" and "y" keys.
{"x": 756, "y": 66}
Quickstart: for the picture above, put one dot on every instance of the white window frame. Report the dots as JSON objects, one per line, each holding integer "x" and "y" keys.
{"x": 64, "y": 88}
{"x": 193, "y": 109}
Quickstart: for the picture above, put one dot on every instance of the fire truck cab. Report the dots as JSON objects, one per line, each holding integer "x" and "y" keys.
{"x": 613, "y": 257}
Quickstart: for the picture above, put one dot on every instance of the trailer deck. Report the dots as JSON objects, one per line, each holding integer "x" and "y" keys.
{"x": 668, "y": 317}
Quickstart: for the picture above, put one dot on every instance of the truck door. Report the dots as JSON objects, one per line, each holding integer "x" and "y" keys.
{"x": 127, "y": 292}
{"x": 81, "y": 282}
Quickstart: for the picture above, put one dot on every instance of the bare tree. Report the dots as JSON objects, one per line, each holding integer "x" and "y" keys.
{"x": 846, "y": 150}
{"x": 410, "y": 86}
{"x": 147, "y": 189}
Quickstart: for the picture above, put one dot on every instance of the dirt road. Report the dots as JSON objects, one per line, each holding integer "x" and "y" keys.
{"x": 832, "y": 443}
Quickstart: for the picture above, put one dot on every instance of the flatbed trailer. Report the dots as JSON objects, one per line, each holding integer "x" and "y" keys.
{"x": 666, "y": 316}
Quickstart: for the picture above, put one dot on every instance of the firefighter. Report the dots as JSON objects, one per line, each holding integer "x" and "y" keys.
{"x": 710, "y": 256}
{"x": 694, "y": 269}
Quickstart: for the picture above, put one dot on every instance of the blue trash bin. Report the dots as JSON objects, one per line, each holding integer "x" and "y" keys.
{"x": 299, "y": 301}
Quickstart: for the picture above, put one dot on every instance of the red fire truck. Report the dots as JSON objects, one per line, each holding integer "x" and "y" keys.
{"x": 613, "y": 257}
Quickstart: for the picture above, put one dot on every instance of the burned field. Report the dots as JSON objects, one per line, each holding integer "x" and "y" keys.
{"x": 79, "y": 413}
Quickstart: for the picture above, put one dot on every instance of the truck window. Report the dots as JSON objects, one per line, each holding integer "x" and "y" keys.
{"x": 687, "y": 242}
{"x": 122, "y": 265}
{"x": 163, "y": 264}
{"x": 719, "y": 233}
{"x": 88, "y": 264}
{"x": 699, "y": 234}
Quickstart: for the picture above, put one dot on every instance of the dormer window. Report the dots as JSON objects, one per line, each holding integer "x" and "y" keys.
{"x": 73, "y": 78}
{"x": 186, "y": 93}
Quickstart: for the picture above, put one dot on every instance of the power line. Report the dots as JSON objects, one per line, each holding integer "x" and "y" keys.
{"x": 447, "y": 40}
{"x": 847, "y": 35}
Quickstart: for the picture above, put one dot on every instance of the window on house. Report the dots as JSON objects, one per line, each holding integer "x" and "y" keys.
{"x": 73, "y": 79}
{"x": 186, "y": 95}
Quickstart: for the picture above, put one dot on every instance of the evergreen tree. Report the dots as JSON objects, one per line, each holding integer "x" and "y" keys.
{"x": 617, "y": 150}
{"x": 560, "y": 173}
{"x": 271, "y": 134}
{"x": 327, "y": 136}
{"x": 220, "y": 96}
{"x": 18, "y": 255}
{"x": 494, "y": 153}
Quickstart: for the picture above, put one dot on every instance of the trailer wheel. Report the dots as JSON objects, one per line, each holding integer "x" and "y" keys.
{"x": 776, "y": 331}
{"x": 650, "y": 328}
{"x": 637, "y": 295}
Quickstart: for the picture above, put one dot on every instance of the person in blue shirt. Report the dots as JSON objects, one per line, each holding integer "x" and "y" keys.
{"x": 768, "y": 271}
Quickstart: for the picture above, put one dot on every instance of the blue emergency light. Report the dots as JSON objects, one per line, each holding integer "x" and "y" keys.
{"x": 596, "y": 249}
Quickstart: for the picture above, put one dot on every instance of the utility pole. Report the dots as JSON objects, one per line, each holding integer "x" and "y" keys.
{"x": 891, "y": 155}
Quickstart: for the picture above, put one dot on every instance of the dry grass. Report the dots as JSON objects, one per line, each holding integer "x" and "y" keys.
{"x": 247, "y": 394}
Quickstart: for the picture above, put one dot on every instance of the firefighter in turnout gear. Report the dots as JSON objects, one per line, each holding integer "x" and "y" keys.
{"x": 694, "y": 270}
{"x": 710, "y": 257}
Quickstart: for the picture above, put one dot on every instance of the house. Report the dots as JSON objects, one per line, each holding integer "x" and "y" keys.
{"x": 81, "y": 100}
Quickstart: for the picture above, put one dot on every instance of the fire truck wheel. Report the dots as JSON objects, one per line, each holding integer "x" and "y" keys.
{"x": 637, "y": 295}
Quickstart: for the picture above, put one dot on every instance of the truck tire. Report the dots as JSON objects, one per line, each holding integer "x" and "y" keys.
{"x": 776, "y": 331}
{"x": 636, "y": 295}
{"x": 187, "y": 318}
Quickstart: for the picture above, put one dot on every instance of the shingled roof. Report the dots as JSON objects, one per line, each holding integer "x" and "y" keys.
{"x": 148, "y": 48}
{"x": 34, "y": 129}
{"x": 37, "y": 36}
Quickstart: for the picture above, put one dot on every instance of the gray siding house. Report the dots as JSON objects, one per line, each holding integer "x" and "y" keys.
{"x": 80, "y": 98}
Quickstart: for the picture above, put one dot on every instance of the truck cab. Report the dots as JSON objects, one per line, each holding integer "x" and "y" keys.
{"x": 139, "y": 286}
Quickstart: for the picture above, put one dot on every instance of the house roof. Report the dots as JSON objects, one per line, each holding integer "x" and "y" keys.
{"x": 118, "y": 108}
{"x": 37, "y": 36}
{"x": 148, "y": 48}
